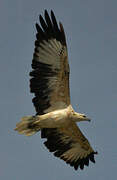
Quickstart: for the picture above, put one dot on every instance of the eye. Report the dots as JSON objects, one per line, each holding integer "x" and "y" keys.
{"x": 84, "y": 116}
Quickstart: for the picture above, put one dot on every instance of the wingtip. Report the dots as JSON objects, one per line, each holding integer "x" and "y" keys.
{"x": 52, "y": 13}
{"x": 40, "y": 17}
{"x": 95, "y": 152}
{"x": 45, "y": 12}
{"x": 61, "y": 26}
{"x": 37, "y": 26}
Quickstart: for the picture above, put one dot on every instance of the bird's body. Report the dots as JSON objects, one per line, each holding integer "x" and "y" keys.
{"x": 55, "y": 116}
{"x": 56, "y": 119}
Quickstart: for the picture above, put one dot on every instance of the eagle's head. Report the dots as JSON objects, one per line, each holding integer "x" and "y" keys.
{"x": 80, "y": 117}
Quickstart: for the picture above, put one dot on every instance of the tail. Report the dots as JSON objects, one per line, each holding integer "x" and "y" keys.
{"x": 28, "y": 125}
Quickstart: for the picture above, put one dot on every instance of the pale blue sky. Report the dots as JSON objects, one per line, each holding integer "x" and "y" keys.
{"x": 91, "y": 31}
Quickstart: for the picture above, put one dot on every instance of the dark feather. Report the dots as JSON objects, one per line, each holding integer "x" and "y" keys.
{"x": 55, "y": 145}
{"x": 43, "y": 24}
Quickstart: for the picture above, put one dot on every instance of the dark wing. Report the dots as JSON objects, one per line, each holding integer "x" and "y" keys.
{"x": 70, "y": 145}
{"x": 50, "y": 75}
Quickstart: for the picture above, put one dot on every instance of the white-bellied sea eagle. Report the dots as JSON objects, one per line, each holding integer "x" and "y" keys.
{"x": 55, "y": 117}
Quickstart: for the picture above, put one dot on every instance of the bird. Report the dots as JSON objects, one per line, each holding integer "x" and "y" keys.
{"x": 55, "y": 117}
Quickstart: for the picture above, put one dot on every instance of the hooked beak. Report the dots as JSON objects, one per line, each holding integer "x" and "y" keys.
{"x": 87, "y": 119}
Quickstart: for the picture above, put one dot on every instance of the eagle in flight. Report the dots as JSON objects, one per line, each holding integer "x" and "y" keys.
{"x": 55, "y": 117}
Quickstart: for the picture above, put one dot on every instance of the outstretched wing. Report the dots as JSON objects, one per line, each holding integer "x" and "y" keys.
{"x": 50, "y": 75}
{"x": 69, "y": 144}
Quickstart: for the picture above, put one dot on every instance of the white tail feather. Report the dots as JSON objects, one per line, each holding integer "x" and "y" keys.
{"x": 27, "y": 126}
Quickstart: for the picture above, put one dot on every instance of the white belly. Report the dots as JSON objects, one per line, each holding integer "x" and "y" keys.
{"x": 53, "y": 119}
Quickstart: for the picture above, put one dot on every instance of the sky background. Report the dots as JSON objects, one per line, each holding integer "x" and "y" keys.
{"x": 91, "y": 32}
